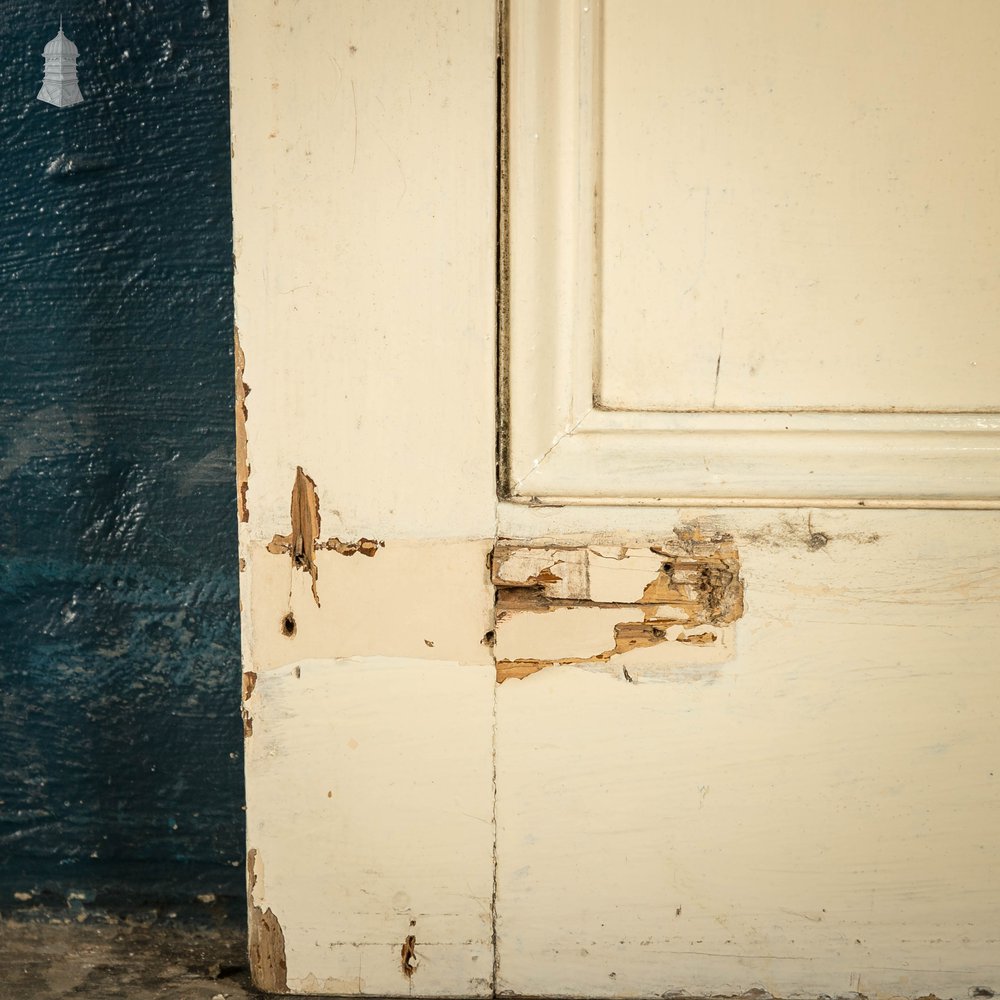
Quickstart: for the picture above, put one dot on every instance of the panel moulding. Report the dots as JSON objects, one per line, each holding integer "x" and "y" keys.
{"x": 559, "y": 445}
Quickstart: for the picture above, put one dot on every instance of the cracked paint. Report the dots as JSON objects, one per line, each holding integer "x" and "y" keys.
{"x": 558, "y": 604}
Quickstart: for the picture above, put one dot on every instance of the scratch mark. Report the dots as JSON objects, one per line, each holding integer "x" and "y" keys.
{"x": 718, "y": 368}
{"x": 812, "y": 917}
{"x": 817, "y": 539}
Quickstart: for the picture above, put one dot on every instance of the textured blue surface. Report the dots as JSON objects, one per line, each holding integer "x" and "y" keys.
{"x": 120, "y": 743}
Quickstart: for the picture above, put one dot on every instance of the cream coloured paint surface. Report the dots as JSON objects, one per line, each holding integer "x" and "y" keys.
{"x": 808, "y": 808}
{"x": 363, "y": 188}
{"x": 370, "y": 801}
{"x": 814, "y": 817}
{"x": 802, "y": 195}
{"x": 426, "y": 600}
{"x": 595, "y": 237}
{"x": 353, "y": 216}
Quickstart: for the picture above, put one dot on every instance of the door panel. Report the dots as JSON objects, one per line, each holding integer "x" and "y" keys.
{"x": 646, "y": 674}
{"x": 752, "y": 264}
{"x": 753, "y": 253}
{"x": 808, "y": 815}
{"x": 801, "y": 195}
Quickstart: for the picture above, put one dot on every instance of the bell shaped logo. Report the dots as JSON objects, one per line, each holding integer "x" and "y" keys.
{"x": 60, "y": 86}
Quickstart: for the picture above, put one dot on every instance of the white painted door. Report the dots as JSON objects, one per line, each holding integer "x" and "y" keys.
{"x": 671, "y": 665}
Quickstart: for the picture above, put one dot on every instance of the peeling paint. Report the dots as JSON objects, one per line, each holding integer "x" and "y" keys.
{"x": 300, "y": 542}
{"x": 249, "y": 683}
{"x": 366, "y": 546}
{"x": 242, "y": 456}
{"x": 267, "y": 941}
{"x": 303, "y": 541}
{"x": 408, "y": 956}
{"x": 687, "y": 590}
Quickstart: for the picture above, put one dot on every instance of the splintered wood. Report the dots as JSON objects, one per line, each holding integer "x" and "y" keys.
{"x": 266, "y": 940}
{"x": 303, "y": 541}
{"x": 593, "y": 604}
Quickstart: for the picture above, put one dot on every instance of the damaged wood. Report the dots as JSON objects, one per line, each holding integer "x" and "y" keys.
{"x": 242, "y": 456}
{"x": 288, "y": 625}
{"x": 366, "y": 546}
{"x": 300, "y": 542}
{"x": 408, "y": 956}
{"x": 267, "y": 941}
{"x": 249, "y": 683}
{"x": 303, "y": 541}
{"x": 687, "y": 590}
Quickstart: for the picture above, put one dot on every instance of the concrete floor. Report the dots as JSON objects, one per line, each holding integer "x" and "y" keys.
{"x": 109, "y": 960}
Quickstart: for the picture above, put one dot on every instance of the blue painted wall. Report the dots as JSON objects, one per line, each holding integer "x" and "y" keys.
{"x": 120, "y": 741}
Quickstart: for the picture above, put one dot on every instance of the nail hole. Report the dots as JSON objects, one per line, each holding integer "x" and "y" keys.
{"x": 288, "y": 626}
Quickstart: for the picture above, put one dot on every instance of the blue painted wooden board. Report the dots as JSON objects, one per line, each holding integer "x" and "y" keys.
{"x": 120, "y": 763}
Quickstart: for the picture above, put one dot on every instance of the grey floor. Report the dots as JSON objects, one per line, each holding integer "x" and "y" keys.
{"x": 46, "y": 960}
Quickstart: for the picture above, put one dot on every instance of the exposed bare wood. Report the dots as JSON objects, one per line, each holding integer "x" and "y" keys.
{"x": 267, "y": 941}
{"x": 242, "y": 459}
{"x": 683, "y": 589}
{"x": 300, "y": 543}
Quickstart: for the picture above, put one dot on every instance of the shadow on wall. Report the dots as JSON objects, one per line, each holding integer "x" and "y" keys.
{"x": 120, "y": 757}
